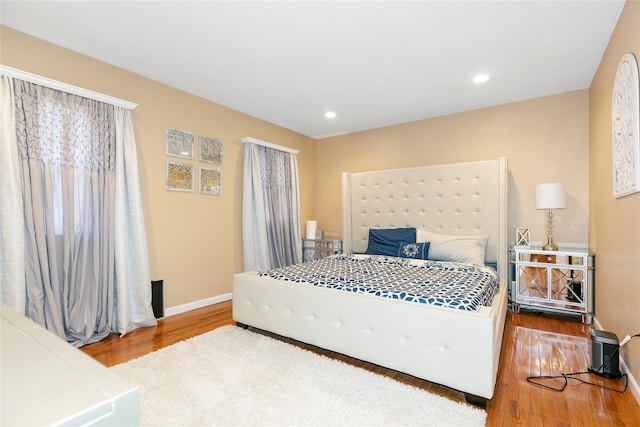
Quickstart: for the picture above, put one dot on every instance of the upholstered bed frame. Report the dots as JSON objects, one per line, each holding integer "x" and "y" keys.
{"x": 451, "y": 347}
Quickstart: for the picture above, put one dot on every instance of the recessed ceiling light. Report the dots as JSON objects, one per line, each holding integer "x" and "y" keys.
{"x": 481, "y": 78}
{"x": 330, "y": 115}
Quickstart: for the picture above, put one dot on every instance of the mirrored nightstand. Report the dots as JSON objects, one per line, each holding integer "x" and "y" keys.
{"x": 559, "y": 280}
{"x": 316, "y": 249}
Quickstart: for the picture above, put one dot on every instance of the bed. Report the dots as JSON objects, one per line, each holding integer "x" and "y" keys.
{"x": 456, "y": 348}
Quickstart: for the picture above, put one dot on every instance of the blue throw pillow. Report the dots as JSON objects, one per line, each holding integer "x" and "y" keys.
{"x": 385, "y": 241}
{"x": 414, "y": 250}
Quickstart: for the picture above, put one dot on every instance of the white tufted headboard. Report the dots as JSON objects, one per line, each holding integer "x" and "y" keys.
{"x": 460, "y": 198}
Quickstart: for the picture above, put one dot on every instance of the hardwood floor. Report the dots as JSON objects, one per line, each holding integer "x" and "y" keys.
{"x": 533, "y": 345}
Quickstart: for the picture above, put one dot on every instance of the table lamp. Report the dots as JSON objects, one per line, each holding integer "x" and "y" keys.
{"x": 550, "y": 196}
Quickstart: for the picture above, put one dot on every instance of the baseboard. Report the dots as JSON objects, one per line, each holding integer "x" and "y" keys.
{"x": 633, "y": 384}
{"x": 197, "y": 304}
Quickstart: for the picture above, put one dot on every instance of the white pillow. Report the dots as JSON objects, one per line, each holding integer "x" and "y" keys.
{"x": 450, "y": 247}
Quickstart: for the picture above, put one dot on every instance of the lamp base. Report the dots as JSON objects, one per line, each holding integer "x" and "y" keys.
{"x": 550, "y": 246}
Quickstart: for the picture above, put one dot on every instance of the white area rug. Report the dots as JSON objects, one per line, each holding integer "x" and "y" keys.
{"x": 231, "y": 376}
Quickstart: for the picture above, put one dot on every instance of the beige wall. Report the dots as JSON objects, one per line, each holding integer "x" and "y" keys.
{"x": 194, "y": 240}
{"x": 614, "y": 223}
{"x": 544, "y": 140}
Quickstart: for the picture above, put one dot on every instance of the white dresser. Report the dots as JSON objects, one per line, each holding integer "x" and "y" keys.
{"x": 46, "y": 381}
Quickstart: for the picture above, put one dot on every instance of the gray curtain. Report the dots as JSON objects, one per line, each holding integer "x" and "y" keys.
{"x": 67, "y": 147}
{"x": 133, "y": 280}
{"x": 66, "y": 150}
{"x": 12, "y": 239}
{"x": 271, "y": 208}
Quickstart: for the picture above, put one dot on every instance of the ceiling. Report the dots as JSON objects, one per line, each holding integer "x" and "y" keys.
{"x": 374, "y": 63}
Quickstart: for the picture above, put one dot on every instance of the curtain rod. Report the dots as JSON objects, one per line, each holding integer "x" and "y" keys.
{"x": 248, "y": 139}
{"x": 54, "y": 84}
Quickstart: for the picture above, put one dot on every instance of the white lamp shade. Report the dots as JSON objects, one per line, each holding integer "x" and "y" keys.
{"x": 550, "y": 196}
{"x": 312, "y": 225}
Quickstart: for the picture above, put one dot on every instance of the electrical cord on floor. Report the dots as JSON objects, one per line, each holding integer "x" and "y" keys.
{"x": 571, "y": 376}
{"x": 567, "y": 377}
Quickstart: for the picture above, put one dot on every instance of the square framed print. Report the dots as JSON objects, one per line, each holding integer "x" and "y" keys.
{"x": 210, "y": 181}
{"x": 179, "y": 177}
{"x": 179, "y": 143}
{"x": 210, "y": 150}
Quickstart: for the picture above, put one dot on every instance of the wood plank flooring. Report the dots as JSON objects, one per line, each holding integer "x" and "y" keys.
{"x": 533, "y": 345}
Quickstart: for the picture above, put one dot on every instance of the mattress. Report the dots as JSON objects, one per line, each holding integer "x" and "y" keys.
{"x": 444, "y": 284}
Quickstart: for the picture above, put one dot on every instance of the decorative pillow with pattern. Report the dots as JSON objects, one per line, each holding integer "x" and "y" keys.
{"x": 413, "y": 250}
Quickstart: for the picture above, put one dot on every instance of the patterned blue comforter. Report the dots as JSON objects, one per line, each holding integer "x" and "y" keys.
{"x": 445, "y": 284}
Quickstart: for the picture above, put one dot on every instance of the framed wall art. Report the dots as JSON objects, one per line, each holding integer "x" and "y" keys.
{"x": 179, "y": 177}
{"x": 210, "y": 150}
{"x": 210, "y": 181}
{"x": 625, "y": 127}
{"x": 179, "y": 143}
{"x": 523, "y": 237}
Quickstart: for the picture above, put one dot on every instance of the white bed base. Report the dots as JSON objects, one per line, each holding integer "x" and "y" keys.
{"x": 451, "y": 347}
